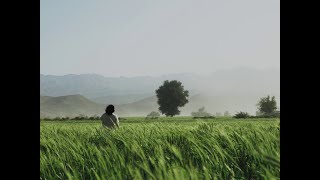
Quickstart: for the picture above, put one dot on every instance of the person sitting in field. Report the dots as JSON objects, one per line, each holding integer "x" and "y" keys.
{"x": 110, "y": 120}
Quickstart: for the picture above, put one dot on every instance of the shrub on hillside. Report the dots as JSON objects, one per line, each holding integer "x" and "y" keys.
{"x": 205, "y": 117}
{"x": 153, "y": 115}
{"x": 241, "y": 114}
{"x": 226, "y": 114}
{"x": 269, "y": 115}
{"x": 201, "y": 113}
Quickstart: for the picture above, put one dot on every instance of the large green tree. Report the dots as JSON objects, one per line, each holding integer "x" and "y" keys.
{"x": 267, "y": 105}
{"x": 171, "y": 95}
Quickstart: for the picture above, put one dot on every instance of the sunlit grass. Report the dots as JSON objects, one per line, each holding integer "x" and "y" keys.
{"x": 169, "y": 148}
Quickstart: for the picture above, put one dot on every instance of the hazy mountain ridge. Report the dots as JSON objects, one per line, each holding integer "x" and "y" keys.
{"x": 75, "y": 105}
{"x": 71, "y": 105}
{"x": 95, "y": 86}
{"x": 224, "y": 90}
{"x": 121, "y": 99}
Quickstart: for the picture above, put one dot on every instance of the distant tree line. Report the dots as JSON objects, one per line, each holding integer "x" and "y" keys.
{"x": 153, "y": 115}
{"x": 267, "y": 108}
{"x": 80, "y": 117}
{"x": 202, "y": 114}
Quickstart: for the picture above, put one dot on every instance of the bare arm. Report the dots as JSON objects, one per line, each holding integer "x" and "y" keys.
{"x": 117, "y": 122}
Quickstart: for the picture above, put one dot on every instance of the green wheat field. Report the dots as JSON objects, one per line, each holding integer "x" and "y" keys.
{"x": 165, "y": 148}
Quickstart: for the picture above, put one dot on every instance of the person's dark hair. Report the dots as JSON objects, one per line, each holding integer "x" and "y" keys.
{"x": 110, "y": 109}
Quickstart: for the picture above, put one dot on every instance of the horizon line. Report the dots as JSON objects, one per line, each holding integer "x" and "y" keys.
{"x": 181, "y": 73}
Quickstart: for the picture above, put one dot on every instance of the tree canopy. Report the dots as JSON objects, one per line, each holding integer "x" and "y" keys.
{"x": 267, "y": 105}
{"x": 171, "y": 95}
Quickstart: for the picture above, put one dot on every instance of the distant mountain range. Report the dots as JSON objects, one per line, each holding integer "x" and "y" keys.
{"x": 74, "y": 105}
{"x": 71, "y": 105}
{"x": 232, "y": 90}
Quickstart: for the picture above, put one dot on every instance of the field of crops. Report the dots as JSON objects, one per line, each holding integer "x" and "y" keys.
{"x": 167, "y": 148}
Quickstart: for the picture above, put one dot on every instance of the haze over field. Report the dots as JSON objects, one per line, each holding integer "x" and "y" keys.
{"x": 226, "y": 53}
{"x": 228, "y": 90}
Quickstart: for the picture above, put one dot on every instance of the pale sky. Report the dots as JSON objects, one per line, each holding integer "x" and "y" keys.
{"x": 145, "y": 37}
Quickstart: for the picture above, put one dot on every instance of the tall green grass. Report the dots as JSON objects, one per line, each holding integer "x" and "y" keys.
{"x": 163, "y": 149}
